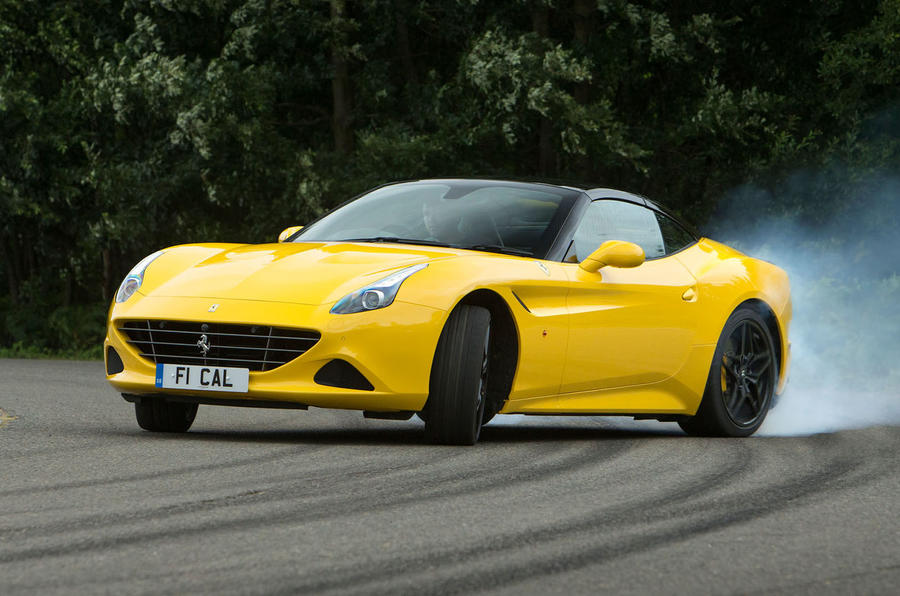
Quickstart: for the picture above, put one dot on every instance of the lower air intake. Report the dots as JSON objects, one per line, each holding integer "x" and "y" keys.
{"x": 113, "y": 362}
{"x": 340, "y": 373}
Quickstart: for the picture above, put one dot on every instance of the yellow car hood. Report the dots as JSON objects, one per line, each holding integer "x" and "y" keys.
{"x": 307, "y": 273}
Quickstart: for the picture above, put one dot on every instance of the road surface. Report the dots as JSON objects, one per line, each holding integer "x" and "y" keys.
{"x": 279, "y": 501}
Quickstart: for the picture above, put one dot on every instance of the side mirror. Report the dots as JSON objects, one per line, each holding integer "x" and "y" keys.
{"x": 615, "y": 253}
{"x": 288, "y": 232}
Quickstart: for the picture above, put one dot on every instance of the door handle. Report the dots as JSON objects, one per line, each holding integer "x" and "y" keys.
{"x": 690, "y": 295}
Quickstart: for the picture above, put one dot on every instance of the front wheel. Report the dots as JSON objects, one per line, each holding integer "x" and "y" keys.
{"x": 454, "y": 412}
{"x": 159, "y": 415}
{"x": 741, "y": 380}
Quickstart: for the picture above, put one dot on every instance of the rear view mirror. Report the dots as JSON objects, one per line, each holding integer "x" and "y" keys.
{"x": 288, "y": 232}
{"x": 614, "y": 253}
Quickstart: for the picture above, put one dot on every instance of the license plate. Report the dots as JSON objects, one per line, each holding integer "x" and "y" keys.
{"x": 202, "y": 378}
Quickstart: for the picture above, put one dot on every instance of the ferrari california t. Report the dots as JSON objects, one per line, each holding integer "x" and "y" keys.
{"x": 458, "y": 300}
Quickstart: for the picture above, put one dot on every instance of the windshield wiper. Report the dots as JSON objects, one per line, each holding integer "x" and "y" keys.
{"x": 507, "y": 250}
{"x": 484, "y": 247}
{"x": 397, "y": 240}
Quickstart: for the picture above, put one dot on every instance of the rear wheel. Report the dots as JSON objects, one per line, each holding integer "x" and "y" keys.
{"x": 454, "y": 412}
{"x": 741, "y": 380}
{"x": 159, "y": 415}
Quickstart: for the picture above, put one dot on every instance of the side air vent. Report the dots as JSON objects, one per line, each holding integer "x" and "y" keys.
{"x": 340, "y": 373}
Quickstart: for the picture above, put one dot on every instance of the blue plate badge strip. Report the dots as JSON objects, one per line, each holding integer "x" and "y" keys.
{"x": 159, "y": 375}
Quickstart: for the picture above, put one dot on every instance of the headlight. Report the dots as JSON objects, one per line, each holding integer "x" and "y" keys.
{"x": 135, "y": 277}
{"x": 375, "y": 295}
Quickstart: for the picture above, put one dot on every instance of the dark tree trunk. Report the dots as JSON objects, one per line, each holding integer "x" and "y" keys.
{"x": 403, "y": 47}
{"x": 540, "y": 20}
{"x": 30, "y": 260}
{"x": 583, "y": 11}
{"x": 545, "y": 146}
{"x": 12, "y": 270}
{"x": 68, "y": 288}
{"x": 340, "y": 86}
{"x": 107, "y": 274}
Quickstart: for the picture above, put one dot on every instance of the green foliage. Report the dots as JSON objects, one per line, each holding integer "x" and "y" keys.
{"x": 128, "y": 125}
{"x": 28, "y": 350}
{"x": 67, "y": 331}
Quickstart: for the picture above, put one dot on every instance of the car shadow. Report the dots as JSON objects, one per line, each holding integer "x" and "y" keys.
{"x": 413, "y": 436}
{"x": 560, "y": 432}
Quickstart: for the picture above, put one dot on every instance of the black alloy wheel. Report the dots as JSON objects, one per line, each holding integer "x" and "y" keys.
{"x": 482, "y": 382}
{"x": 741, "y": 382}
{"x": 745, "y": 385}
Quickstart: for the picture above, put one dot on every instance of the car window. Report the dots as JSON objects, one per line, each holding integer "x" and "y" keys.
{"x": 512, "y": 217}
{"x": 674, "y": 236}
{"x": 617, "y": 220}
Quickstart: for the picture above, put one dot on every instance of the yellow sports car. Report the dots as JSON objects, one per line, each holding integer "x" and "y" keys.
{"x": 457, "y": 300}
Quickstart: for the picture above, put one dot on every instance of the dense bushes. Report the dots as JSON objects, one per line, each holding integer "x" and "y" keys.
{"x": 130, "y": 125}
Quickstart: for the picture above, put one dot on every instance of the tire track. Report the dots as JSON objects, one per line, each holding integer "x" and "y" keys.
{"x": 116, "y": 480}
{"x": 329, "y": 503}
{"x": 328, "y": 507}
{"x": 346, "y": 579}
{"x": 701, "y": 516}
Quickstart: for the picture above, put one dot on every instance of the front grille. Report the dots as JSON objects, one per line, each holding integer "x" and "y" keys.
{"x": 257, "y": 347}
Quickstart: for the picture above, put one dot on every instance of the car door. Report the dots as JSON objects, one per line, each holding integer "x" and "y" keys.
{"x": 626, "y": 326}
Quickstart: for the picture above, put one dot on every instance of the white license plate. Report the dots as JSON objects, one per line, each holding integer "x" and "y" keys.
{"x": 202, "y": 378}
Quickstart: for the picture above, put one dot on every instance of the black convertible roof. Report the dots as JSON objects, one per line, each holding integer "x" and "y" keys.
{"x": 592, "y": 193}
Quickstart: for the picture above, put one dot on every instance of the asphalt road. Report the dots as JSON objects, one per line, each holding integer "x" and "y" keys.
{"x": 267, "y": 501}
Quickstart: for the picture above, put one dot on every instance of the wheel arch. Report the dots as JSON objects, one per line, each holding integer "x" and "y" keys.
{"x": 504, "y": 346}
{"x": 767, "y": 313}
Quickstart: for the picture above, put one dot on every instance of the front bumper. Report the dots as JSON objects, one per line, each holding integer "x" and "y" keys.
{"x": 392, "y": 347}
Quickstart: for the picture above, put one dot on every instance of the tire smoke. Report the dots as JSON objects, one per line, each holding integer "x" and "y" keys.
{"x": 842, "y": 258}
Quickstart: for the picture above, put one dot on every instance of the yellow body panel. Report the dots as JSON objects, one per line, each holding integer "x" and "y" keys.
{"x": 374, "y": 346}
{"x": 628, "y": 326}
{"x": 626, "y": 341}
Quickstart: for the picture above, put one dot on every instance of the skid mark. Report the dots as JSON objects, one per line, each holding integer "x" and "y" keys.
{"x": 6, "y": 418}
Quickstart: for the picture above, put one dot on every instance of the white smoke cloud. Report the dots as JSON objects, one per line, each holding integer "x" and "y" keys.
{"x": 843, "y": 259}
{"x": 845, "y": 282}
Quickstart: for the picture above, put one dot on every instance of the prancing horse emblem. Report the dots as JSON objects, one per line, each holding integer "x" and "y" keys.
{"x": 203, "y": 344}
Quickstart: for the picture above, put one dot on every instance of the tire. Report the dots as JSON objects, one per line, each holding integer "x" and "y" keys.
{"x": 161, "y": 416}
{"x": 741, "y": 383}
{"x": 454, "y": 412}
{"x": 488, "y": 416}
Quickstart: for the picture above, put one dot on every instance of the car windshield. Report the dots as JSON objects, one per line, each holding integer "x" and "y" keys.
{"x": 506, "y": 217}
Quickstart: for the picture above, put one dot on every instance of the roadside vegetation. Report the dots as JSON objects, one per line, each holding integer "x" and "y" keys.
{"x": 130, "y": 125}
